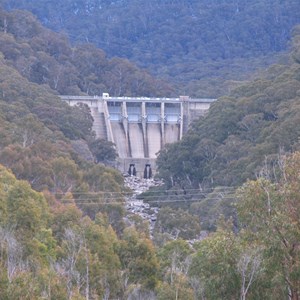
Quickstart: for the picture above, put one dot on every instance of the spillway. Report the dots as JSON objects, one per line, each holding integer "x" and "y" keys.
{"x": 154, "y": 139}
{"x": 99, "y": 123}
{"x": 120, "y": 139}
{"x": 172, "y": 133}
{"x": 136, "y": 139}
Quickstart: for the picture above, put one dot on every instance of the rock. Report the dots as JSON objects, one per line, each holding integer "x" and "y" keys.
{"x": 135, "y": 206}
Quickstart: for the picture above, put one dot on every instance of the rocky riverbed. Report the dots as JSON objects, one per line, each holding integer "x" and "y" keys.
{"x": 138, "y": 207}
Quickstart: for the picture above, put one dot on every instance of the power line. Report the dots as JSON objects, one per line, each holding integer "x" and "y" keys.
{"x": 205, "y": 191}
{"x": 170, "y": 197}
{"x": 115, "y": 200}
{"x": 145, "y": 199}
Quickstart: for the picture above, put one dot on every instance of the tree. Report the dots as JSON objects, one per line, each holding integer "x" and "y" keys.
{"x": 175, "y": 261}
{"x": 27, "y": 210}
{"x": 104, "y": 151}
{"x": 65, "y": 174}
{"x": 249, "y": 267}
{"x": 270, "y": 212}
{"x": 30, "y": 131}
{"x": 178, "y": 223}
{"x": 14, "y": 254}
{"x": 101, "y": 260}
{"x": 213, "y": 269}
{"x": 73, "y": 245}
{"x": 138, "y": 260}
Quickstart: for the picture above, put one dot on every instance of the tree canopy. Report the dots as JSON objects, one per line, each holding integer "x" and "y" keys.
{"x": 201, "y": 46}
{"x": 241, "y": 132}
{"x": 47, "y": 58}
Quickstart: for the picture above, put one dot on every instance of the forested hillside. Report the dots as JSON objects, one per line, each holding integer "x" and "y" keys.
{"x": 44, "y": 141}
{"x": 242, "y": 133}
{"x": 62, "y": 228}
{"x": 49, "y": 250}
{"x": 44, "y": 57}
{"x": 250, "y": 136}
{"x": 202, "y": 46}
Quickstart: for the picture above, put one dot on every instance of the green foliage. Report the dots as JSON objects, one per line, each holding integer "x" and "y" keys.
{"x": 26, "y": 210}
{"x": 49, "y": 249}
{"x": 219, "y": 202}
{"x": 138, "y": 259}
{"x": 47, "y": 58}
{"x": 269, "y": 211}
{"x": 201, "y": 46}
{"x": 240, "y": 134}
{"x": 180, "y": 247}
{"x": 214, "y": 266}
{"x": 24, "y": 222}
{"x": 177, "y": 223}
{"x": 180, "y": 291}
{"x": 104, "y": 151}
{"x": 174, "y": 259}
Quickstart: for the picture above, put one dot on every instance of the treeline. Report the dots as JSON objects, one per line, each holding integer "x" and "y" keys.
{"x": 45, "y": 57}
{"x": 196, "y": 44}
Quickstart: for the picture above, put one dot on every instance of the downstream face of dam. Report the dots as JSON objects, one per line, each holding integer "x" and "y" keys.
{"x": 139, "y": 126}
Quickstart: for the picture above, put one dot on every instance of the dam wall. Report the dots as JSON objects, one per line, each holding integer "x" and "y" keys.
{"x": 140, "y": 126}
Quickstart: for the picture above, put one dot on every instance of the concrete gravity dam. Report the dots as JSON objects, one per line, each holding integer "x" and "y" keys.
{"x": 139, "y": 126}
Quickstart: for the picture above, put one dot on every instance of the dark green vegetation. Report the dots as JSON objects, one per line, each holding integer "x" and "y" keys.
{"x": 63, "y": 234}
{"x": 242, "y": 137}
{"x": 201, "y": 46}
{"x": 241, "y": 133}
{"x": 44, "y": 57}
{"x": 40, "y": 135}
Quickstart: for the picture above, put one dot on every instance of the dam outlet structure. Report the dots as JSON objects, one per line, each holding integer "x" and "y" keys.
{"x": 140, "y": 126}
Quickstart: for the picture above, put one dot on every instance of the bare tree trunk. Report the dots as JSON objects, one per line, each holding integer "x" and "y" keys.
{"x": 293, "y": 294}
{"x": 87, "y": 284}
{"x": 249, "y": 266}
{"x": 14, "y": 256}
{"x": 74, "y": 247}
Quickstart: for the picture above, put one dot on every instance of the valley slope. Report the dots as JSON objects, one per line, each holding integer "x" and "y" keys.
{"x": 203, "y": 47}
